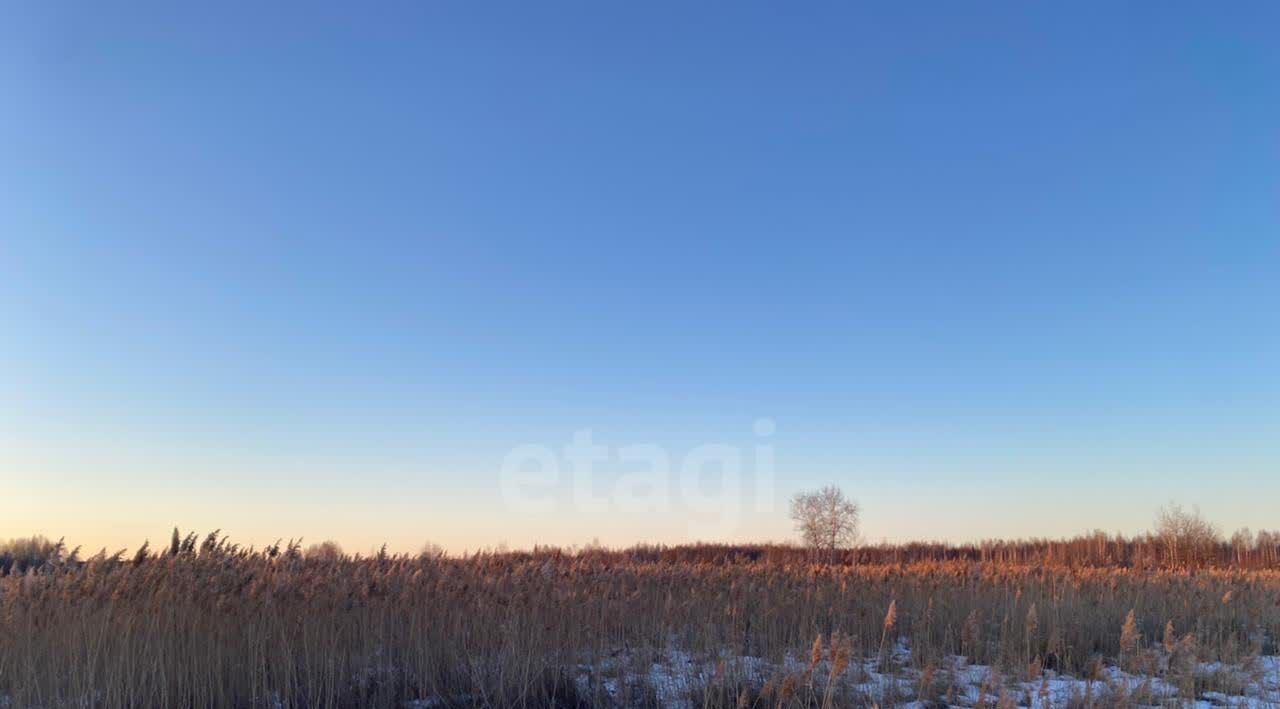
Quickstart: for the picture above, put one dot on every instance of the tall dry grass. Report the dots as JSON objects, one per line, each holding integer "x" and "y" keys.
{"x": 211, "y": 625}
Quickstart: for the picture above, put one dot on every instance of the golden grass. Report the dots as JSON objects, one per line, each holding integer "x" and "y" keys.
{"x": 221, "y": 627}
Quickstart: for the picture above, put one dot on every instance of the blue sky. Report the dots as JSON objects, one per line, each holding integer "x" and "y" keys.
{"x": 995, "y": 269}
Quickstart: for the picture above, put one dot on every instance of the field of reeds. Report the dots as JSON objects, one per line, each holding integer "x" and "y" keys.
{"x": 213, "y": 625}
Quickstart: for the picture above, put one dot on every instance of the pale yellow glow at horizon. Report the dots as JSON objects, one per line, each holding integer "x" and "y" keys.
{"x": 96, "y": 499}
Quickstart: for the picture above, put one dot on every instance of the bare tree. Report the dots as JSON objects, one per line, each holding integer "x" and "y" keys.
{"x": 1186, "y": 536}
{"x": 328, "y": 550}
{"x": 826, "y": 519}
{"x": 1241, "y": 544}
{"x": 432, "y": 550}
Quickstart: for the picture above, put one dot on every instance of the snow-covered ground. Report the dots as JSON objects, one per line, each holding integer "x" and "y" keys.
{"x": 676, "y": 677}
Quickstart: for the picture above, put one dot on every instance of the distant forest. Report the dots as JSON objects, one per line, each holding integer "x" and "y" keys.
{"x": 1242, "y": 550}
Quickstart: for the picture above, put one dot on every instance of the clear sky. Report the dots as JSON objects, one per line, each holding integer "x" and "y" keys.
{"x": 994, "y": 268}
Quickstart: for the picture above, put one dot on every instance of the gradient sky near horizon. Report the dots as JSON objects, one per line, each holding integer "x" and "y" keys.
{"x": 996, "y": 269}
